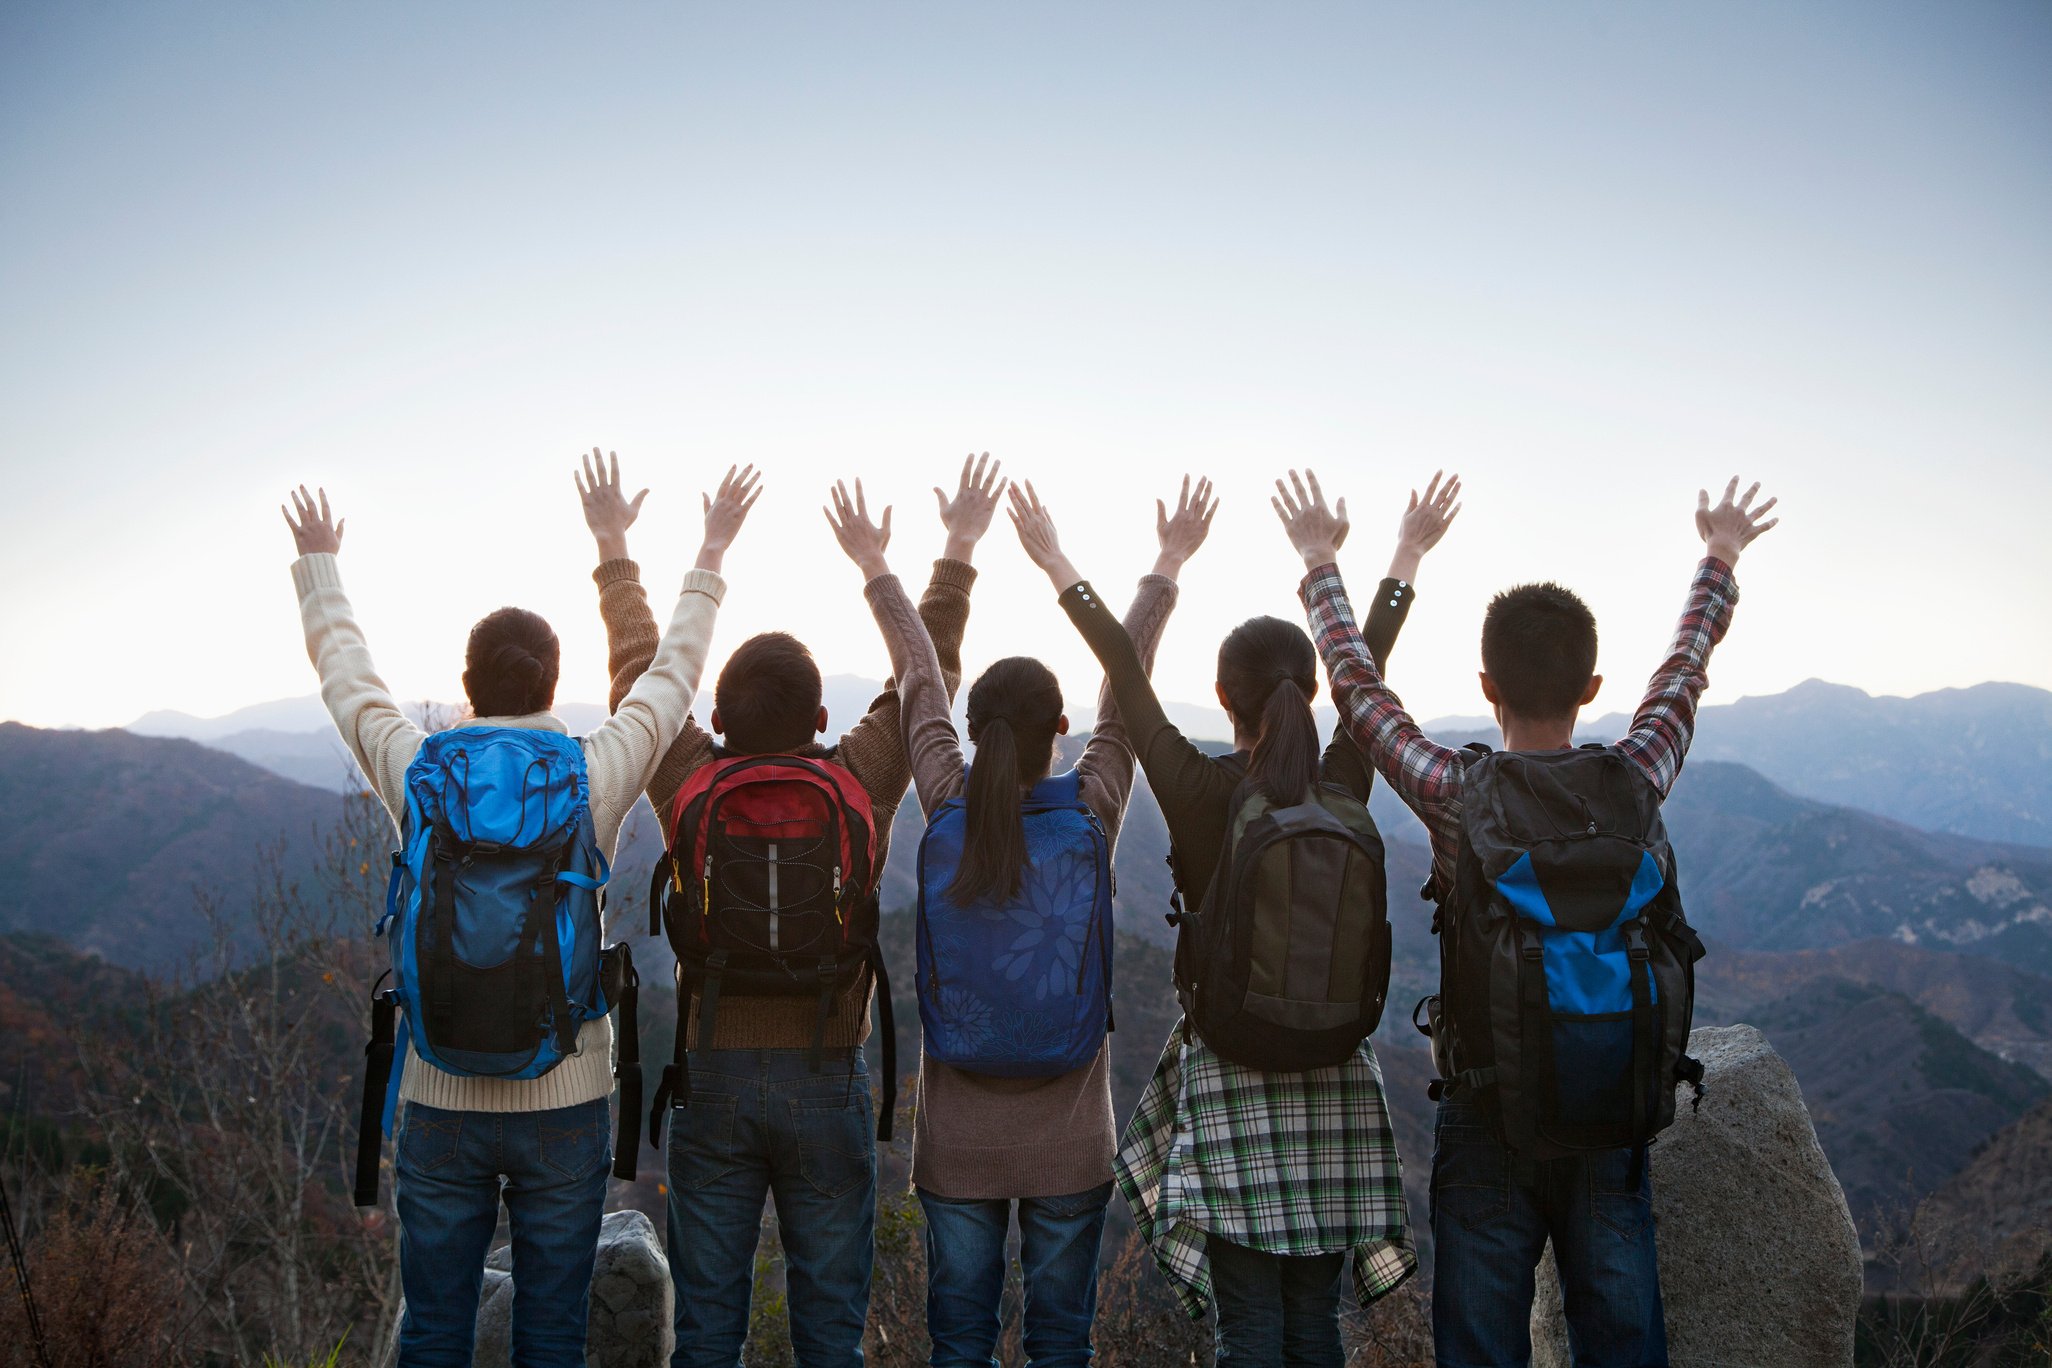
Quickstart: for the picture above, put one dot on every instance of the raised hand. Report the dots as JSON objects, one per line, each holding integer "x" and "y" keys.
{"x": 607, "y": 510}
{"x": 725, "y": 511}
{"x": 1424, "y": 522}
{"x": 967, "y": 515}
{"x": 1730, "y": 527}
{"x": 1183, "y": 532}
{"x": 1036, "y": 529}
{"x": 1317, "y": 532}
{"x": 863, "y": 540}
{"x": 316, "y": 530}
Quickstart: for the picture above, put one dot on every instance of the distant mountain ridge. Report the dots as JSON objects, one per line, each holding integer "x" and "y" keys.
{"x": 1972, "y": 761}
{"x": 1975, "y": 761}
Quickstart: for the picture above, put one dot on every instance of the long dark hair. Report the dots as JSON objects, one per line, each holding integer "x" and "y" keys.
{"x": 1269, "y": 673}
{"x": 509, "y": 666}
{"x": 1013, "y": 711}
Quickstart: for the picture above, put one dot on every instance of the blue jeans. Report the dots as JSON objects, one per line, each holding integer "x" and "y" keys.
{"x": 762, "y": 1123}
{"x": 1275, "y": 1309}
{"x": 1489, "y": 1229}
{"x": 965, "y": 1276}
{"x": 450, "y": 1170}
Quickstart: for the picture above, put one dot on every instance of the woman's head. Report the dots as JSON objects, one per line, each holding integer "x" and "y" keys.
{"x": 1015, "y": 713}
{"x": 509, "y": 668}
{"x": 1267, "y": 677}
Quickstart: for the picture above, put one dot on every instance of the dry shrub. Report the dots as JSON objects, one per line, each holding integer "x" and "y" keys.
{"x": 1396, "y": 1332}
{"x": 1140, "y": 1323}
{"x": 105, "y": 1287}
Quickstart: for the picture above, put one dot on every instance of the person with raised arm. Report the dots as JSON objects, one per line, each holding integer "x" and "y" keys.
{"x": 1561, "y": 1025}
{"x": 1251, "y": 1185}
{"x": 467, "y": 1140}
{"x": 774, "y": 1100}
{"x": 1015, "y": 1108}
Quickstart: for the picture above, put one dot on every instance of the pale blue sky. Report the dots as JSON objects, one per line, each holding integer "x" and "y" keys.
{"x": 1593, "y": 255}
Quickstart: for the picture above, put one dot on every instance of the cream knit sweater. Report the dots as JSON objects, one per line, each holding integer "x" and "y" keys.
{"x": 620, "y": 759}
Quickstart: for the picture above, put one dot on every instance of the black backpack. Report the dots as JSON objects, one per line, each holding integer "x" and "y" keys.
{"x": 1567, "y": 978}
{"x": 1285, "y": 964}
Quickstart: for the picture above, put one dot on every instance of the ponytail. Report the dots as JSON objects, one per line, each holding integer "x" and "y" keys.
{"x": 1013, "y": 711}
{"x": 1284, "y": 765}
{"x": 1269, "y": 673}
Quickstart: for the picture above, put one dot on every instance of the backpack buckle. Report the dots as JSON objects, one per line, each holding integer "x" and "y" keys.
{"x": 1635, "y": 940}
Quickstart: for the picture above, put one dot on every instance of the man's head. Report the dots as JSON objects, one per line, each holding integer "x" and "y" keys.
{"x": 767, "y": 697}
{"x": 1539, "y": 654}
{"x": 509, "y": 666}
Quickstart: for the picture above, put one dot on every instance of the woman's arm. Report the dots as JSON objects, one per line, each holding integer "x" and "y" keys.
{"x": 874, "y": 748}
{"x": 636, "y": 739}
{"x": 1106, "y": 765}
{"x": 379, "y": 734}
{"x": 931, "y": 746}
{"x": 631, "y": 634}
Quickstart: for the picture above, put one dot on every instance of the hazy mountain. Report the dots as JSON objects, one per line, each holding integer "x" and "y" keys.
{"x": 108, "y": 840}
{"x": 1976, "y": 761}
{"x": 2005, "y": 1010}
{"x": 1901, "y": 1101}
{"x": 1995, "y": 1214}
{"x": 1763, "y": 869}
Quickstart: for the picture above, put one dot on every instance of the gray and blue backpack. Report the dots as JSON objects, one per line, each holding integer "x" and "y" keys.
{"x": 1020, "y": 988}
{"x": 1567, "y": 969}
{"x": 494, "y": 920}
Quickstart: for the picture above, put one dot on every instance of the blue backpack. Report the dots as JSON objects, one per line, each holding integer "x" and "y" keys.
{"x": 494, "y": 921}
{"x": 1022, "y": 988}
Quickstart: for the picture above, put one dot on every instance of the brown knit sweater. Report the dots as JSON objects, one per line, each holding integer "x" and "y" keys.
{"x": 974, "y": 1136}
{"x": 873, "y": 750}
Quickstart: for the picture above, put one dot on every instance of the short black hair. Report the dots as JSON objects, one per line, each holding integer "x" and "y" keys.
{"x": 1539, "y": 646}
{"x": 768, "y": 695}
{"x": 510, "y": 664}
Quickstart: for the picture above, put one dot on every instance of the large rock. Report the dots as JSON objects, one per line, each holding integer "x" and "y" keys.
{"x": 631, "y": 1323}
{"x": 1759, "y": 1261}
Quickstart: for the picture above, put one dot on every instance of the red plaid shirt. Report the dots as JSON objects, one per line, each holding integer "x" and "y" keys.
{"x": 1429, "y": 776}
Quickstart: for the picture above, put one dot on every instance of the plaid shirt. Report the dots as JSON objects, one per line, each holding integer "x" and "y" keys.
{"x": 1429, "y": 776}
{"x": 1286, "y": 1163}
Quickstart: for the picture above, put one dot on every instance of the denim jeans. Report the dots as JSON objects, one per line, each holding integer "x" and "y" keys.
{"x": 1488, "y": 1231}
{"x": 761, "y": 1122}
{"x": 453, "y": 1167}
{"x": 1275, "y": 1309}
{"x": 965, "y": 1276}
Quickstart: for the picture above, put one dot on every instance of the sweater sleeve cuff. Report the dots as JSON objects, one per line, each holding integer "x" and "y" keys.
{"x": 616, "y": 572}
{"x": 317, "y": 571}
{"x": 954, "y": 574}
{"x": 880, "y": 588}
{"x": 705, "y": 582}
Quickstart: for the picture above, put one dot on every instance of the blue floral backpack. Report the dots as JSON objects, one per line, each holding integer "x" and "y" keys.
{"x": 1019, "y": 988}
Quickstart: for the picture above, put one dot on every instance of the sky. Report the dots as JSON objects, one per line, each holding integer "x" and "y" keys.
{"x": 1593, "y": 256}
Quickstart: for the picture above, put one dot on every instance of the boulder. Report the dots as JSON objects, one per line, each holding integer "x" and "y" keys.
{"x": 631, "y": 1322}
{"x": 1759, "y": 1260}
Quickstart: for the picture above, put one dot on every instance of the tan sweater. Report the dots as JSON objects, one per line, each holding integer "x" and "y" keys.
{"x": 620, "y": 756}
{"x": 974, "y": 1136}
{"x": 873, "y": 750}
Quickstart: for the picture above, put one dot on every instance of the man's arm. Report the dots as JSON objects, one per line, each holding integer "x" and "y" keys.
{"x": 631, "y": 633}
{"x": 1666, "y": 720}
{"x": 380, "y": 736}
{"x": 1427, "y": 776}
{"x": 1425, "y": 521}
{"x": 931, "y": 746}
{"x": 874, "y": 748}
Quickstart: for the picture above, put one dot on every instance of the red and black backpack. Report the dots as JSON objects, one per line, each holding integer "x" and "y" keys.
{"x": 767, "y": 888}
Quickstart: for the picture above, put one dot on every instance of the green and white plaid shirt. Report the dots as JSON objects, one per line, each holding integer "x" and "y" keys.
{"x": 1286, "y": 1163}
